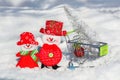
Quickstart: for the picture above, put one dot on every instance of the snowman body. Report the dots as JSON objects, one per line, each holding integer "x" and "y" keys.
{"x": 27, "y": 55}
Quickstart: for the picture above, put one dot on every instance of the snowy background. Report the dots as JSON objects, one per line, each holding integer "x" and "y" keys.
{"x": 17, "y": 16}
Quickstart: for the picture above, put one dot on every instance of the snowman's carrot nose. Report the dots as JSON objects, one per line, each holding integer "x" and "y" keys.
{"x": 69, "y": 32}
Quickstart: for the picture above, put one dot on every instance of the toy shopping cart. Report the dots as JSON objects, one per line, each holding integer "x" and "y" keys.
{"x": 81, "y": 51}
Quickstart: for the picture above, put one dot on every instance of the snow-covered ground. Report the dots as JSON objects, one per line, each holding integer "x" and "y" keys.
{"x": 104, "y": 21}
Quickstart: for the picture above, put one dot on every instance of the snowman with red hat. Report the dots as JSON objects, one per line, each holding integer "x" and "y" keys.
{"x": 27, "y": 55}
{"x": 50, "y": 54}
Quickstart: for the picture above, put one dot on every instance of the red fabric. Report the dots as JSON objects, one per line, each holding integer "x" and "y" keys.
{"x": 79, "y": 52}
{"x": 53, "y": 28}
{"x": 26, "y": 61}
{"x": 27, "y": 38}
{"x": 43, "y": 55}
{"x": 18, "y": 54}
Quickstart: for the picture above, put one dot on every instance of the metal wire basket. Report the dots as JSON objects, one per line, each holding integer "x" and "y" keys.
{"x": 80, "y": 51}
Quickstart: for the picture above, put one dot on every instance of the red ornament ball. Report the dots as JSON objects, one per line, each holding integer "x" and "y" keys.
{"x": 79, "y": 52}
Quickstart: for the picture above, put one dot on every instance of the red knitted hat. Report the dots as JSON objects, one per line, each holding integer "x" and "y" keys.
{"x": 27, "y": 38}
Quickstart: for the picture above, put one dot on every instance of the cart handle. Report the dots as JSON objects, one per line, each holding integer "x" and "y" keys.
{"x": 69, "y": 32}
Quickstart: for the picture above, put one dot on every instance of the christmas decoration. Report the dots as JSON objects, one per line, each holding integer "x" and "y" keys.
{"x": 82, "y": 42}
{"x": 78, "y": 51}
{"x": 50, "y": 54}
{"x": 27, "y": 57}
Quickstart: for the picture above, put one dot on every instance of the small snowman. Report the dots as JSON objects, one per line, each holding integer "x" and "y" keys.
{"x": 50, "y": 54}
{"x": 27, "y": 55}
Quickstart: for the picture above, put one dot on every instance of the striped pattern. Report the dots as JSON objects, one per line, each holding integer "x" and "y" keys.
{"x": 32, "y": 53}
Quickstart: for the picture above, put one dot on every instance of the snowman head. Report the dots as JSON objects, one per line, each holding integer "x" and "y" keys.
{"x": 28, "y": 47}
{"x": 52, "y": 32}
{"x": 51, "y": 39}
{"x": 27, "y": 41}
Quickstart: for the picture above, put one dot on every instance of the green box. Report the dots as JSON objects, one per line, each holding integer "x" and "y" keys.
{"x": 103, "y": 50}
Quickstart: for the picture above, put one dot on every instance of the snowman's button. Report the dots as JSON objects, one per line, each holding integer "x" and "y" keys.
{"x": 50, "y": 55}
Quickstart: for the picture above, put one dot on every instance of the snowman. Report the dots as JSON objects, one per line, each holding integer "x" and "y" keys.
{"x": 27, "y": 55}
{"x": 50, "y": 54}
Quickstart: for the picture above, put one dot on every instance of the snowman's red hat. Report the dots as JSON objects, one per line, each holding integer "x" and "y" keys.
{"x": 53, "y": 28}
{"x": 27, "y": 38}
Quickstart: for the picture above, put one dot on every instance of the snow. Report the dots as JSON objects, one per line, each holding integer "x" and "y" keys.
{"x": 47, "y": 4}
{"x": 104, "y": 21}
